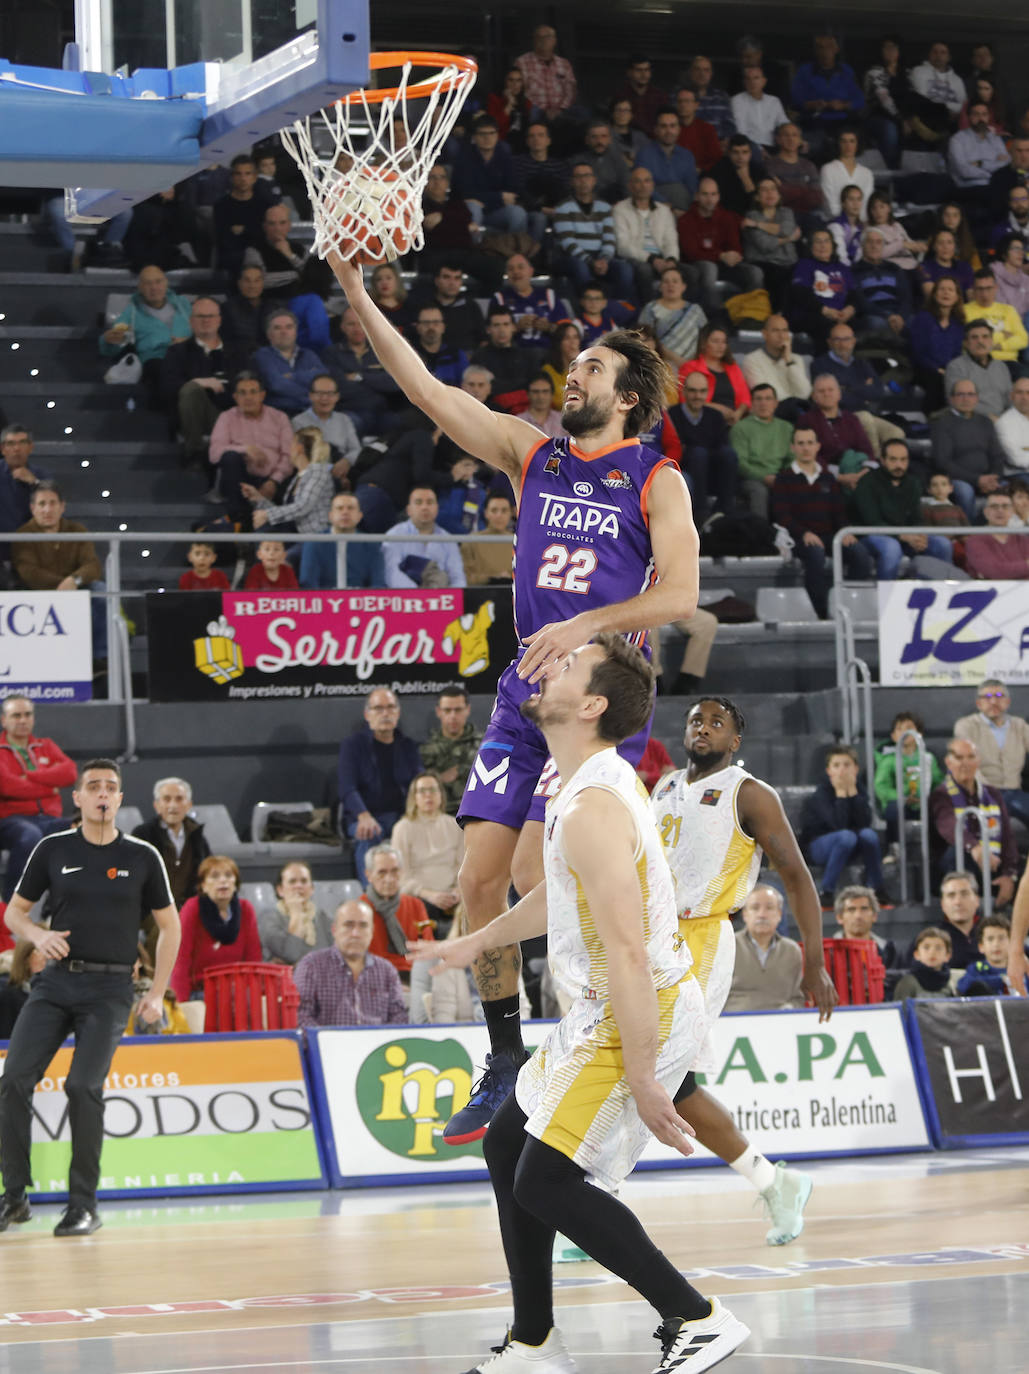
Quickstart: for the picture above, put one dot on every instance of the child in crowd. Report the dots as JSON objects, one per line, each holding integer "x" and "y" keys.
{"x": 929, "y": 974}
{"x": 1018, "y": 490}
{"x": 911, "y": 772}
{"x": 988, "y": 976}
{"x": 203, "y": 575}
{"x": 938, "y": 507}
{"x": 271, "y": 572}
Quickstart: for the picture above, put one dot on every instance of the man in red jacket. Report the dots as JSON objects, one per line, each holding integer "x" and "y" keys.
{"x": 709, "y": 236}
{"x": 31, "y": 773}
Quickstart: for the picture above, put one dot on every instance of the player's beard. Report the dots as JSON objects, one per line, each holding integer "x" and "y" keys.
{"x": 542, "y": 712}
{"x": 711, "y": 763}
{"x": 590, "y": 417}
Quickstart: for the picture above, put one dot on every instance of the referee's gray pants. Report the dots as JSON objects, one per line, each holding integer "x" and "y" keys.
{"x": 94, "y": 1007}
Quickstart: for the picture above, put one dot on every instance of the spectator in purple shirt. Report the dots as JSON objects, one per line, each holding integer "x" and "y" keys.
{"x": 345, "y": 985}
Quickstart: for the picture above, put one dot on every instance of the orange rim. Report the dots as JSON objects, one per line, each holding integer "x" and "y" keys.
{"x": 379, "y": 61}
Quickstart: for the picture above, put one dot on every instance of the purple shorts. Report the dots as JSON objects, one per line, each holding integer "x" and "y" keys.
{"x": 513, "y": 775}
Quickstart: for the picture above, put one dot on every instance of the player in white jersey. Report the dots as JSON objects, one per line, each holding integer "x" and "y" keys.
{"x": 600, "y": 1083}
{"x": 715, "y": 820}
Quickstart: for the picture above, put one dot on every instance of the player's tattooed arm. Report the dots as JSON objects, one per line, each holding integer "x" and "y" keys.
{"x": 496, "y": 972}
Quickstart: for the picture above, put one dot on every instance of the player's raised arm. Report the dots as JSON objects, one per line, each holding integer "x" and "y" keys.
{"x": 762, "y": 817}
{"x": 676, "y": 545}
{"x": 606, "y": 870}
{"x": 500, "y": 440}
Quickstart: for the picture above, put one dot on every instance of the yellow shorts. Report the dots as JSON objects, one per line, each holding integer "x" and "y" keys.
{"x": 574, "y": 1092}
{"x": 712, "y": 943}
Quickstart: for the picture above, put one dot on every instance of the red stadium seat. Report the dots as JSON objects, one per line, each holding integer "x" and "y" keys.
{"x": 241, "y": 997}
{"x": 856, "y": 970}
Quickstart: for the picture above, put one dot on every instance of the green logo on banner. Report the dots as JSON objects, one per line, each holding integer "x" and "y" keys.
{"x": 406, "y": 1092}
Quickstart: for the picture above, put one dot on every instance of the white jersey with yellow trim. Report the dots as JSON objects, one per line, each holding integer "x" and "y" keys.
{"x": 578, "y": 959}
{"x": 714, "y": 862}
{"x": 573, "y": 1090}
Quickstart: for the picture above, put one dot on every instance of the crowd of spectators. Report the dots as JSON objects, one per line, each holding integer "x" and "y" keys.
{"x": 872, "y": 226}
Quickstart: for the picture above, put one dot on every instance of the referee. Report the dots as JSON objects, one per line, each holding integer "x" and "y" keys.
{"x": 99, "y": 881}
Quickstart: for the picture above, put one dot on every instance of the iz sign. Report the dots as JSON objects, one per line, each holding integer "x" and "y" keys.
{"x": 948, "y": 648}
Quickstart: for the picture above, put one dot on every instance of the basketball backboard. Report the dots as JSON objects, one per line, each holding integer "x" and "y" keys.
{"x": 252, "y": 66}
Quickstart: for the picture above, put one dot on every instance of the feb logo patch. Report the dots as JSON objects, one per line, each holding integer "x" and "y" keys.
{"x": 112, "y": 873}
{"x": 711, "y": 796}
{"x": 617, "y": 478}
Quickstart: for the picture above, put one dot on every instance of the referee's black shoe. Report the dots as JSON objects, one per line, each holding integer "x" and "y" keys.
{"x": 14, "y": 1210}
{"x": 78, "y": 1221}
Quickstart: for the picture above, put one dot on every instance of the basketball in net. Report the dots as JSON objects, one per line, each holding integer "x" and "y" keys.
{"x": 366, "y": 158}
{"x": 370, "y": 214}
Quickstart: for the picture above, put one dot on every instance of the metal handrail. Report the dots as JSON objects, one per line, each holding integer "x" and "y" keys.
{"x": 925, "y": 777}
{"x": 857, "y": 670}
{"x": 984, "y": 839}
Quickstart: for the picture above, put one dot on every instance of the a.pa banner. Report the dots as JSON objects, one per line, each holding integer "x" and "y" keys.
{"x": 793, "y": 1086}
{"x": 974, "y": 1057}
{"x": 187, "y": 1114}
{"x": 46, "y": 646}
{"x": 953, "y": 634}
{"x": 256, "y": 646}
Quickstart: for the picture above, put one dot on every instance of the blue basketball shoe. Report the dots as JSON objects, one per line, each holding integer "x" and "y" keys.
{"x": 472, "y": 1122}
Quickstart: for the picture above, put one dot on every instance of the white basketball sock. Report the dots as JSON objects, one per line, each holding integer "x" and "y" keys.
{"x": 754, "y": 1168}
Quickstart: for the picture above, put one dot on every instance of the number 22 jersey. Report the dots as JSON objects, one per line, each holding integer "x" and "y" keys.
{"x": 582, "y": 540}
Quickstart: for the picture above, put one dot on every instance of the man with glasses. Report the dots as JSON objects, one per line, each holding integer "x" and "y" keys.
{"x": 1002, "y": 741}
{"x": 376, "y": 765}
{"x": 336, "y": 428}
{"x": 965, "y": 446}
{"x": 194, "y": 378}
{"x": 1002, "y": 554}
{"x": 995, "y": 852}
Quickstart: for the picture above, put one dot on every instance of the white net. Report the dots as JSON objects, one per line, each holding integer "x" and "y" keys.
{"x": 366, "y": 160}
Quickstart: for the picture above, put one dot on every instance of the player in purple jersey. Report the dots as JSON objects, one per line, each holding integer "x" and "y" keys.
{"x": 605, "y": 542}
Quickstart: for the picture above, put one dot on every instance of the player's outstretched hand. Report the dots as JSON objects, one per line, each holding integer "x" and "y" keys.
{"x": 658, "y": 1114}
{"x": 821, "y": 990}
{"x": 549, "y": 645}
{"x": 459, "y": 953}
{"x": 349, "y": 277}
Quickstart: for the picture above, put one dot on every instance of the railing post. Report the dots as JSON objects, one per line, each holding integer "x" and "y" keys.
{"x": 923, "y": 812}
{"x": 341, "y": 563}
{"x": 122, "y": 638}
{"x": 112, "y": 607}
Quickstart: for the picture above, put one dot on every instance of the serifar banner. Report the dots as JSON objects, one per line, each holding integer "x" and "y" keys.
{"x": 951, "y": 634}
{"x": 242, "y": 646}
{"x": 46, "y": 646}
{"x": 976, "y": 1055}
{"x": 187, "y": 1113}
{"x": 799, "y": 1087}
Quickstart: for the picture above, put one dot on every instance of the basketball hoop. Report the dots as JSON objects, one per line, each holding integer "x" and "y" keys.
{"x": 366, "y": 159}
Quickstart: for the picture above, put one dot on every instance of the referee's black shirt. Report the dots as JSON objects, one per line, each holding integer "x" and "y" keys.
{"x": 97, "y": 891}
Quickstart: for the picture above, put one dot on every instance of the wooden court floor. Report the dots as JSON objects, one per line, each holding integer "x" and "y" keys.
{"x": 916, "y": 1264}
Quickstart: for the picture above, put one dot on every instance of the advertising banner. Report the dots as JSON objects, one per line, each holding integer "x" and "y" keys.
{"x": 795, "y": 1087}
{"x": 46, "y": 646}
{"x": 256, "y": 646}
{"x": 187, "y": 1114}
{"x": 953, "y": 634}
{"x": 974, "y": 1057}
